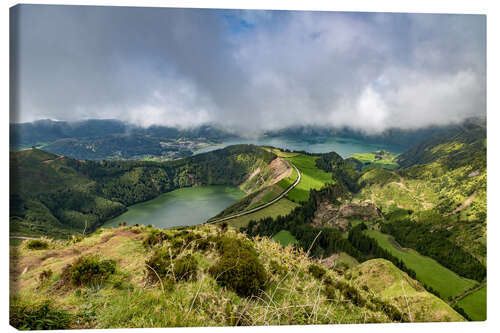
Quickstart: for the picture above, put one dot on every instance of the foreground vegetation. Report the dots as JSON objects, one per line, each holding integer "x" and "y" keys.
{"x": 274, "y": 285}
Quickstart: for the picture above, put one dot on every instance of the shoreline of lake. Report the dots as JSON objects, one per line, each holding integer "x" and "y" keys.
{"x": 181, "y": 207}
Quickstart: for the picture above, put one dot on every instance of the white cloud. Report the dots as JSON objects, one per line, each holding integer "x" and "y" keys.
{"x": 185, "y": 67}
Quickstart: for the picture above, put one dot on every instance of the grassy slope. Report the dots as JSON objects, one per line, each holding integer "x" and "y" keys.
{"x": 127, "y": 300}
{"x": 284, "y": 237}
{"x": 346, "y": 259}
{"x": 475, "y": 304}
{"x": 391, "y": 283}
{"x": 439, "y": 190}
{"x": 312, "y": 177}
{"x": 282, "y": 207}
{"x": 388, "y": 160}
{"x": 452, "y": 166}
{"x": 429, "y": 271}
{"x": 259, "y": 197}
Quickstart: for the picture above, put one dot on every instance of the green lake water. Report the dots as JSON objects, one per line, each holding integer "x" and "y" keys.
{"x": 182, "y": 207}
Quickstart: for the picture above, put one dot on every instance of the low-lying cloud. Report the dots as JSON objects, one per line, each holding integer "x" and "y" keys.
{"x": 249, "y": 70}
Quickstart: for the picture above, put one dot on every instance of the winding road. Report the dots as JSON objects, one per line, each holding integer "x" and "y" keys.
{"x": 253, "y": 210}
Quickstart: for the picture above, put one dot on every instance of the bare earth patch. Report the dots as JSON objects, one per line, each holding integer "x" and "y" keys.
{"x": 338, "y": 216}
{"x": 465, "y": 204}
{"x": 281, "y": 170}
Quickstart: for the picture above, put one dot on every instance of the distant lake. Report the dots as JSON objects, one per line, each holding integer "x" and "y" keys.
{"x": 195, "y": 205}
{"x": 182, "y": 207}
{"x": 342, "y": 146}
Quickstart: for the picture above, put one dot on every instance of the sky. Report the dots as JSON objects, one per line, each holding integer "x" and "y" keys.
{"x": 247, "y": 70}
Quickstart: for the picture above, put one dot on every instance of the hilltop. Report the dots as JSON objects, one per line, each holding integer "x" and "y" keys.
{"x": 145, "y": 277}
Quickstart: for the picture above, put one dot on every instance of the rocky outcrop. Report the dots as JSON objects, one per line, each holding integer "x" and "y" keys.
{"x": 338, "y": 216}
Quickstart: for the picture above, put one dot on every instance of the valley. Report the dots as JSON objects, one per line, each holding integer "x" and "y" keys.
{"x": 347, "y": 213}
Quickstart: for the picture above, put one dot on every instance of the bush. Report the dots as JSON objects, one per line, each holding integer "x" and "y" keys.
{"x": 90, "y": 269}
{"x": 203, "y": 244}
{"x": 348, "y": 291}
{"x": 75, "y": 239}
{"x": 276, "y": 268}
{"x": 317, "y": 271}
{"x": 155, "y": 237}
{"x": 45, "y": 275}
{"x": 239, "y": 268}
{"x": 391, "y": 311}
{"x": 158, "y": 264}
{"x": 38, "y": 317}
{"x": 36, "y": 244}
{"x": 191, "y": 237}
{"x": 186, "y": 268}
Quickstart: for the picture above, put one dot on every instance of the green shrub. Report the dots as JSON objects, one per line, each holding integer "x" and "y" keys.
{"x": 349, "y": 292}
{"x": 330, "y": 292}
{"x": 389, "y": 309}
{"x": 90, "y": 269}
{"x": 203, "y": 244}
{"x": 177, "y": 243}
{"x": 276, "y": 268}
{"x": 41, "y": 316}
{"x": 239, "y": 268}
{"x": 155, "y": 237}
{"x": 328, "y": 280}
{"x": 75, "y": 239}
{"x": 317, "y": 271}
{"x": 186, "y": 268}
{"x": 191, "y": 237}
{"x": 163, "y": 265}
{"x": 45, "y": 275}
{"x": 37, "y": 244}
{"x": 159, "y": 264}
{"x": 227, "y": 245}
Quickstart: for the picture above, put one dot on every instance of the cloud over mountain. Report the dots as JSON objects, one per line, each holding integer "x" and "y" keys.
{"x": 248, "y": 69}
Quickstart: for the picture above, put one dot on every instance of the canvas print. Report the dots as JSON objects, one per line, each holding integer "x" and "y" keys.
{"x": 211, "y": 167}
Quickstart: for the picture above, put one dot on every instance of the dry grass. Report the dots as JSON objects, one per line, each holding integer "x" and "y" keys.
{"x": 292, "y": 295}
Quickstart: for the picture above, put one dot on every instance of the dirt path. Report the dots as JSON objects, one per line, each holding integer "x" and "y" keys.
{"x": 401, "y": 182}
{"x": 465, "y": 204}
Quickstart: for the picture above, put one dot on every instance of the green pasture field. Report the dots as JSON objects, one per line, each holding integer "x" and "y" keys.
{"x": 387, "y": 162}
{"x": 428, "y": 271}
{"x": 284, "y": 237}
{"x": 312, "y": 177}
{"x": 282, "y": 207}
{"x": 475, "y": 304}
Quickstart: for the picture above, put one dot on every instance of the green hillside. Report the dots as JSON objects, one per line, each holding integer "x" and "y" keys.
{"x": 132, "y": 284}
{"x": 427, "y": 270}
{"x": 443, "y": 182}
{"x": 431, "y": 220}
{"x": 312, "y": 177}
{"x": 60, "y": 196}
